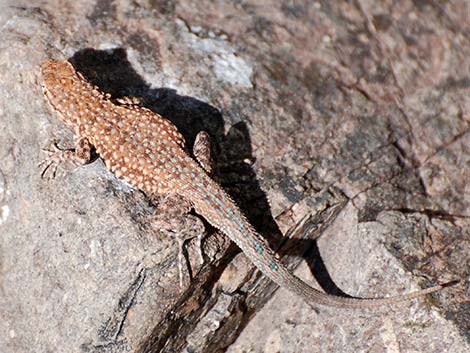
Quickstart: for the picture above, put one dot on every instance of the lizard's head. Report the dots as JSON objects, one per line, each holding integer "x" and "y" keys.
{"x": 60, "y": 83}
{"x": 56, "y": 74}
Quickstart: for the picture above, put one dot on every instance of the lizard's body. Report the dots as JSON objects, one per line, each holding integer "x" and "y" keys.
{"x": 147, "y": 151}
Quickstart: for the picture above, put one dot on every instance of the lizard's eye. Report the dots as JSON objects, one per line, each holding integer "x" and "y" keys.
{"x": 66, "y": 83}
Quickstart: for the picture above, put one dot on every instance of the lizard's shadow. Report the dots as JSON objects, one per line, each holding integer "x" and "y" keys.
{"x": 111, "y": 71}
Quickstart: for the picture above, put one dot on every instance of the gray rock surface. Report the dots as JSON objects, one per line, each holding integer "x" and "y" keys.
{"x": 351, "y": 117}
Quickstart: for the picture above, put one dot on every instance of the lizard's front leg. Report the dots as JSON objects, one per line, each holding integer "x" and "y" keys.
{"x": 78, "y": 156}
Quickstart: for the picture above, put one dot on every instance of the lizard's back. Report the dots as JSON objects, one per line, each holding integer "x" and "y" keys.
{"x": 136, "y": 144}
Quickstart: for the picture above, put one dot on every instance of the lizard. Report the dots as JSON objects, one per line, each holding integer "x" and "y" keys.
{"x": 147, "y": 150}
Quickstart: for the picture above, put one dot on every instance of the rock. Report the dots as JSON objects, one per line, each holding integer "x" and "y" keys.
{"x": 351, "y": 119}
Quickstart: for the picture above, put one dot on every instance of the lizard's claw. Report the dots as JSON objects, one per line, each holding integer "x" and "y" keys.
{"x": 55, "y": 156}
{"x": 49, "y": 163}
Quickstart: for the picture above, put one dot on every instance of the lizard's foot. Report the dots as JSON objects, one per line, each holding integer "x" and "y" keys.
{"x": 77, "y": 156}
{"x": 202, "y": 151}
{"x": 183, "y": 258}
{"x": 55, "y": 156}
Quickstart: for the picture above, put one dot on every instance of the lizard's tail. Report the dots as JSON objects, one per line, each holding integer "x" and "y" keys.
{"x": 314, "y": 296}
{"x": 216, "y": 206}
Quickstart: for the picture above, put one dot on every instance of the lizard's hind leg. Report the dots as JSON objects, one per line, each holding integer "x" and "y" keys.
{"x": 173, "y": 218}
{"x": 202, "y": 151}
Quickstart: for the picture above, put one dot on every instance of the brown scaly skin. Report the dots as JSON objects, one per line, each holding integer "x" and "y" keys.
{"x": 146, "y": 150}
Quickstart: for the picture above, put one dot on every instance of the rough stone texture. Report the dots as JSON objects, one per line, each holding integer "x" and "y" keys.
{"x": 350, "y": 117}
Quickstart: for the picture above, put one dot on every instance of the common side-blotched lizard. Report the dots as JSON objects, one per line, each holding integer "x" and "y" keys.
{"x": 146, "y": 150}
